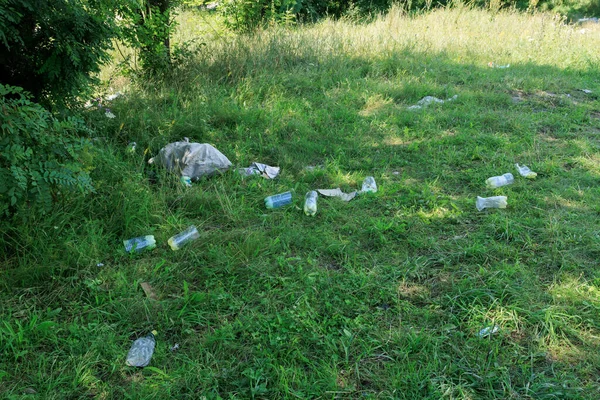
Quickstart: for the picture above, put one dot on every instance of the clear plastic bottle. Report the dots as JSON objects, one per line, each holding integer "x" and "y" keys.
{"x": 526, "y": 171}
{"x": 491, "y": 202}
{"x": 141, "y": 351}
{"x": 139, "y": 244}
{"x": 310, "y": 203}
{"x": 177, "y": 241}
{"x": 278, "y": 200}
{"x": 369, "y": 185}
{"x": 502, "y": 180}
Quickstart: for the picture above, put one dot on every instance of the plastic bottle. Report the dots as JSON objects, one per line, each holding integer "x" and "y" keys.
{"x": 140, "y": 243}
{"x": 177, "y": 241}
{"x": 502, "y": 180}
{"x": 278, "y": 200}
{"x": 491, "y": 202}
{"x": 526, "y": 171}
{"x": 141, "y": 351}
{"x": 310, "y": 203}
{"x": 369, "y": 185}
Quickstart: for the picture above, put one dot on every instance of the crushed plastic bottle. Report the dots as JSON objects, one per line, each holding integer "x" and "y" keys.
{"x": 491, "y": 202}
{"x": 138, "y": 244}
{"x": 141, "y": 351}
{"x": 498, "y": 181}
{"x": 177, "y": 241}
{"x": 186, "y": 181}
{"x": 310, "y": 203}
{"x": 488, "y": 331}
{"x": 526, "y": 171}
{"x": 278, "y": 200}
{"x": 369, "y": 185}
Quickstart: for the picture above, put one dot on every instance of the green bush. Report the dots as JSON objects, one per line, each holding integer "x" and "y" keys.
{"x": 41, "y": 157}
{"x": 51, "y": 48}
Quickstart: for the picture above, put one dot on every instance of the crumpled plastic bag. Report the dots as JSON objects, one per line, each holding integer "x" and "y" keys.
{"x": 337, "y": 193}
{"x": 427, "y": 100}
{"x": 193, "y": 160}
{"x": 264, "y": 170}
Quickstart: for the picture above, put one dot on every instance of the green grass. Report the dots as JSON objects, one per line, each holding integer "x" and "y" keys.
{"x": 381, "y": 297}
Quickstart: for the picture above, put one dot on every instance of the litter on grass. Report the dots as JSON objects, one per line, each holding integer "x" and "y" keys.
{"x": 263, "y": 170}
{"x": 494, "y": 65}
{"x": 109, "y": 114}
{"x": 427, "y": 100}
{"x": 175, "y": 347}
{"x": 498, "y": 181}
{"x": 278, "y": 200}
{"x": 587, "y": 91}
{"x": 131, "y": 147}
{"x": 111, "y": 97}
{"x": 177, "y": 241}
{"x": 488, "y": 331}
{"x": 526, "y": 171}
{"x": 310, "y": 203}
{"x": 148, "y": 291}
{"x": 139, "y": 244}
{"x": 141, "y": 351}
{"x": 369, "y": 185}
{"x": 490, "y": 202}
{"x": 337, "y": 193}
{"x": 194, "y": 160}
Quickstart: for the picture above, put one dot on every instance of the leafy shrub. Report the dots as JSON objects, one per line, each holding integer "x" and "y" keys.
{"x": 40, "y": 156}
{"x": 51, "y": 48}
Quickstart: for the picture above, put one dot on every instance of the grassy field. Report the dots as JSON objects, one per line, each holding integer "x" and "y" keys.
{"x": 381, "y": 297}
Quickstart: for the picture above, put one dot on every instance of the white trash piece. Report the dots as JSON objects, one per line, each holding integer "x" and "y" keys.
{"x": 488, "y": 331}
{"x": 498, "y": 181}
{"x": 337, "y": 193}
{"x": 194, "y": 160}
{"x": 264, "y": 170}
{"x": 526, "y": 171}
{"x": 427, "y": 100}
{"x": 369, "y": 185}
{"x": 491, "y": 202}
{"x": 310, "y": 203}
{"x": 141, "y": 351}
{"x": 177, "y": 241}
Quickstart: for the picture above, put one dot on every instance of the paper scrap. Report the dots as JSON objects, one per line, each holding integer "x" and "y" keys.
{"x": 264, "y": 170}
{"x": 337, "y": 193}
{"x": 148, "y": 291}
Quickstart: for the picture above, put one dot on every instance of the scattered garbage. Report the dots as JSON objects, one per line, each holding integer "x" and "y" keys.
{"x": 148, "y": 291}
{"x": 491, "y": 202}
{"x": 369, "y": 185}
{"x": 488, "y": 331}
{"x": 100, "y": 265}
{"x": 310, "y": 203}
{"x": 111, "y": 97}
{"x": 186, "y": 181}
{"x": 131, "y": 147}
{"x": 175, "y": 347}
{"x": 278, "y": 200}
{"x": 494, "y": 65}
{"x": 592, "y": 20}
{"x": 29, "y": 390}
{"x": 194, "y": 160}
{"x": 141, "y": 351}
{"x": 427, "y": 100}
{"x": 177, "y": 241}
{"x": 337, "y": 193}
{"x": 498, "y": 181}
{"x": 264, "y": 170}
{"x": 109, "y": 114}
{"x": 313, "y": 168}
{"x": 587, "y": 91}
{"x": 526, "y": 171}
{"x": 139, "y": 244}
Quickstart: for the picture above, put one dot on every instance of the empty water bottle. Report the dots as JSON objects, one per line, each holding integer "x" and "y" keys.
{"x": 177, "y": 241}
{"x": 278, "y": 200}
{"x": 369, "y": 185}
{"x": 502, "y": 180}
{"x": 141, "y": 351}
{"x": 140, "y": 243}
{"x": 491, "y": 202}
{"x": 310, "y": 203}
{"x": 526, "y": 171}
